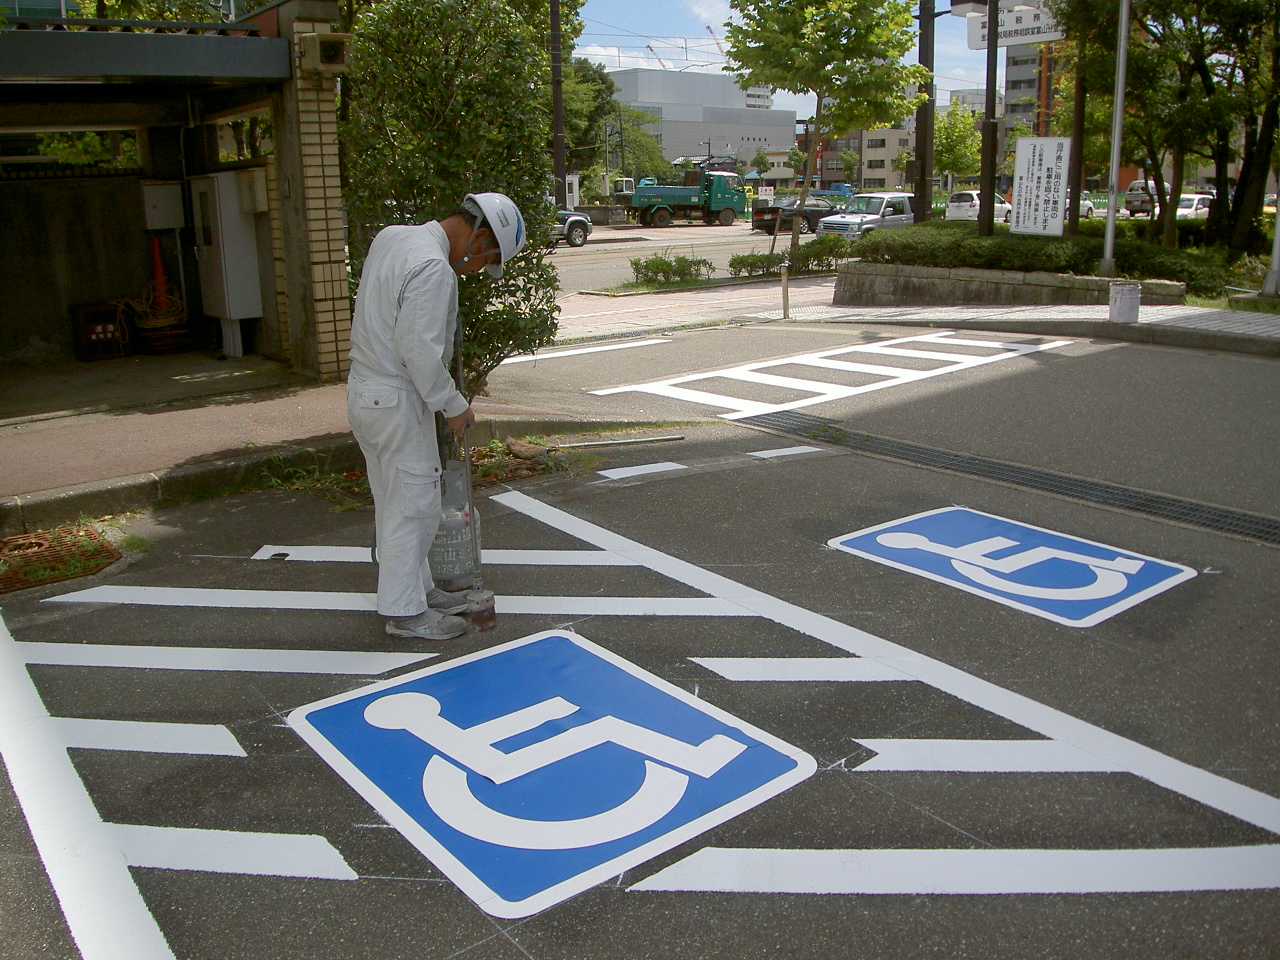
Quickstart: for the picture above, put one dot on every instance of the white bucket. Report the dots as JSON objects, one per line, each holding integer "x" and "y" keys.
{"x": 1125, "y": 297}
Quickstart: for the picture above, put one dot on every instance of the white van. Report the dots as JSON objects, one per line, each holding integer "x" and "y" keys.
{"x": 1141, "y": 197}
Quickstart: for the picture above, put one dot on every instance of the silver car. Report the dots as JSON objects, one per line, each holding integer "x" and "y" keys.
{"x": 865, "y": 213}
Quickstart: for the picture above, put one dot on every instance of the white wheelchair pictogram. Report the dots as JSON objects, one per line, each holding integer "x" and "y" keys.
{"x": 668, "y": 763}
{"x": 974, "y": 561}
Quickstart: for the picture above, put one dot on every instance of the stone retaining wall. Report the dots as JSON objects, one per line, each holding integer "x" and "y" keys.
{"x": 889, "y": 285}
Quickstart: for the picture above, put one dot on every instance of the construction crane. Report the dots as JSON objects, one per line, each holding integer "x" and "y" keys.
{"x": 719, "y": 45}
{"x": 649, "y": 47}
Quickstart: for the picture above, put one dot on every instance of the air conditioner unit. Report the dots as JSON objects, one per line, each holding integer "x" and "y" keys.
{"x": 323, "y": 52}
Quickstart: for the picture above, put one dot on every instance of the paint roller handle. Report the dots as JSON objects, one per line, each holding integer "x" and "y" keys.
{"x": 461, "y": 422}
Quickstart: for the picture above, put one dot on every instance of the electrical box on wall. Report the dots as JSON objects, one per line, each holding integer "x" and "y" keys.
{"x": 253, "y": 190}
{"x": 226, "y": 247}
{"x": 323, "y": 52}
{"x": 162, "y": 203}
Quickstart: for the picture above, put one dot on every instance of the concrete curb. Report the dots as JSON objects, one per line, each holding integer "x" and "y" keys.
{"x": 29, "y": 512}
{"x": 1152, "y": 333}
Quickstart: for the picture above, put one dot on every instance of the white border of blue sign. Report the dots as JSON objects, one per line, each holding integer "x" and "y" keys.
{"x": 1186, "y": 572}
{"x": 456, "y": 871}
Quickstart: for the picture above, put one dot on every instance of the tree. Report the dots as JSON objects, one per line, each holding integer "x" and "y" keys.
{"x": 643, "y": 152}
{"x": 436, "y": 81}
{"x": 850, "y": 161}
{"x": 588, "y": 108}
{"x": 761, "y": 162}
{"x": 796, "y": 160}
{"x": 957, "y": 144}
{"x": 847, "y": 53}
{"x": 1015, "y": 133}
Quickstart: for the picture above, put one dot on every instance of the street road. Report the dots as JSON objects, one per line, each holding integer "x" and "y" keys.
{"x": 751, "y": 694}
{"x": 605, "y": 259}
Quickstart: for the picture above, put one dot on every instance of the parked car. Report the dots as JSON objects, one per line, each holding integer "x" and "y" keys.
{"x": 965, "y": 204}
{"x": 865, "y": 213}
{"x": 571, "y": 227}
{"x": 1269, "y": 204}
{"x": 1086, "y": 208}
{"x": 777, "y": 214}
{"x": 1193, "y": 206}
{"x": 1142, "y": 197}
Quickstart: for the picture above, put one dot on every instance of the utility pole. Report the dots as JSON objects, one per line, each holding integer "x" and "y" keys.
{"x": 1107, "y": 265}
{"x": 557, "y": 111}
{"x": 990, "y": 129}
{"x": 922, "y": 203}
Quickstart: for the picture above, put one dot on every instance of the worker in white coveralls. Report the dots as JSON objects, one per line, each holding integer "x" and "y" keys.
{"x": 402, "y": 342}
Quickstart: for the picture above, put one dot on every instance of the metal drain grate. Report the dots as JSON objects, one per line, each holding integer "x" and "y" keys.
{"x": 1251, "y": 526}
{"x": 48, "y": 556}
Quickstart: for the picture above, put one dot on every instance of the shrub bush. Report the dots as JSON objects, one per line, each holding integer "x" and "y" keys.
{"x": 755, "y": 264}
{"x": 662, "y": 268}
{"x": 1205, "y": 272}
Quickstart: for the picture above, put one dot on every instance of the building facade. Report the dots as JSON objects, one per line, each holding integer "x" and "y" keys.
{"x": 702, "y": 114}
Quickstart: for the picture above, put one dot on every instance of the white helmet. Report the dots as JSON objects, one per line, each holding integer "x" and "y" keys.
{"x": 504, "y": 221}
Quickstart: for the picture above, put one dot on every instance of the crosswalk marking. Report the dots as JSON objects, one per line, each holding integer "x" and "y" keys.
{"x": 975, "y": 872}
{"x": 145, "y": 736}
{"x": 230, "y": 851}
{"x": 823, "y": 391}
{"x": 341, "y": 662}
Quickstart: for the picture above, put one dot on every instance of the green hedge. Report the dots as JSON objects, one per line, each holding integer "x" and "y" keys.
{"x": 819, "y": 255}
{"x": 957, "y": 244}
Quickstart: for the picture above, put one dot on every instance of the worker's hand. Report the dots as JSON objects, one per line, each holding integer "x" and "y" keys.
{"x": 463, "y": 420}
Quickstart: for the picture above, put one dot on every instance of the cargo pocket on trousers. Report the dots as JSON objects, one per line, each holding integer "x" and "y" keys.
{"x": 419, "y": 488}
{"x": 376, "y": 396}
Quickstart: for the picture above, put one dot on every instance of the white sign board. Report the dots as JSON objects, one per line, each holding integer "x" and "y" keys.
{"x": 766, "y": 192}
{"x": 1016, "y": 26}
{"x": 1040, "y": 186}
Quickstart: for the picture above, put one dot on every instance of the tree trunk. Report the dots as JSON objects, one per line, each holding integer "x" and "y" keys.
{"x": 1169, "y": 217}
{"x": 810, "y": 164}
{"x": 1247, "y": 202}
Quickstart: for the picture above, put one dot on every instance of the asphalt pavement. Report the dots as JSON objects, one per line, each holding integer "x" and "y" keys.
{"x": 885, "y": 673}
{"x": 931, "y": 772}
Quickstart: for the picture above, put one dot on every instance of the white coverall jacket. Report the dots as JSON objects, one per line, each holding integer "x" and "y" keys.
{"x": 402, "y": 338}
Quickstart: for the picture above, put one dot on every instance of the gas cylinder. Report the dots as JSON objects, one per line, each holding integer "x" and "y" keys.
{"x": 452, "y": 555}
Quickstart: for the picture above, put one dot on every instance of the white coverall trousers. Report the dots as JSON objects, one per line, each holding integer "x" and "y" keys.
{"x": 396, "y": 432}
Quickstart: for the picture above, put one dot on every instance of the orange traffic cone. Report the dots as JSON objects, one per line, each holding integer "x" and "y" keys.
{"x": 159, "y": 282}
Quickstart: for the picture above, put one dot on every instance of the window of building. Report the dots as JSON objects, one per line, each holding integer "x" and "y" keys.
{"x": 875, "y": 164}
{"x": 872, "y": 144}
{"x": 904, "y": 142}
{"x": 1022, "y": 108}
{"x": 1022, "y": 84}
{"x": 1024, "y": 61}
{"x": 873, "y": 183}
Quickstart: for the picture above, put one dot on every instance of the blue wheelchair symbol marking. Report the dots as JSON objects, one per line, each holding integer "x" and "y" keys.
{"x": 1070, "y": 581}
{"x": 532, "y": 771}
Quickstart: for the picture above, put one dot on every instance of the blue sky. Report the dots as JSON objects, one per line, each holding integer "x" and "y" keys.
{"x": 618, "y": 32}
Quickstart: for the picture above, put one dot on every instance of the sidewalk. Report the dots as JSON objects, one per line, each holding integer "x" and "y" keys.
{"x": 127, "y": 443}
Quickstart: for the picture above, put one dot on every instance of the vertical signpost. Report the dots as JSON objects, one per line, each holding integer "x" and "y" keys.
{"x": 1040, "y": 186}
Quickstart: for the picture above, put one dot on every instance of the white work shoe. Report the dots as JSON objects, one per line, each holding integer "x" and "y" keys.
{"x": 428, "y": 625}
{"x": 448, "y": 601}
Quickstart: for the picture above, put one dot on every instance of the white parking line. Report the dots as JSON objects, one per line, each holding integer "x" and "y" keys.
{"x": 620, "y": 473}
{"x": 145, "y": 736}
{"x": 527, "y": 357}
{"x": 340, "y": 662}
{"x": 983, "y": 756}
{"x": 550, "y": 558}
{"x": 230, "y": 851}
{"x": 103, "y": 908}
{"x": 975, "y": 872}
{"x": 794, "y": 669}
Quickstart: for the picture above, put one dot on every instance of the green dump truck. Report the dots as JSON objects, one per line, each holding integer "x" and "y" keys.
{"x": 712, "y": 197}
